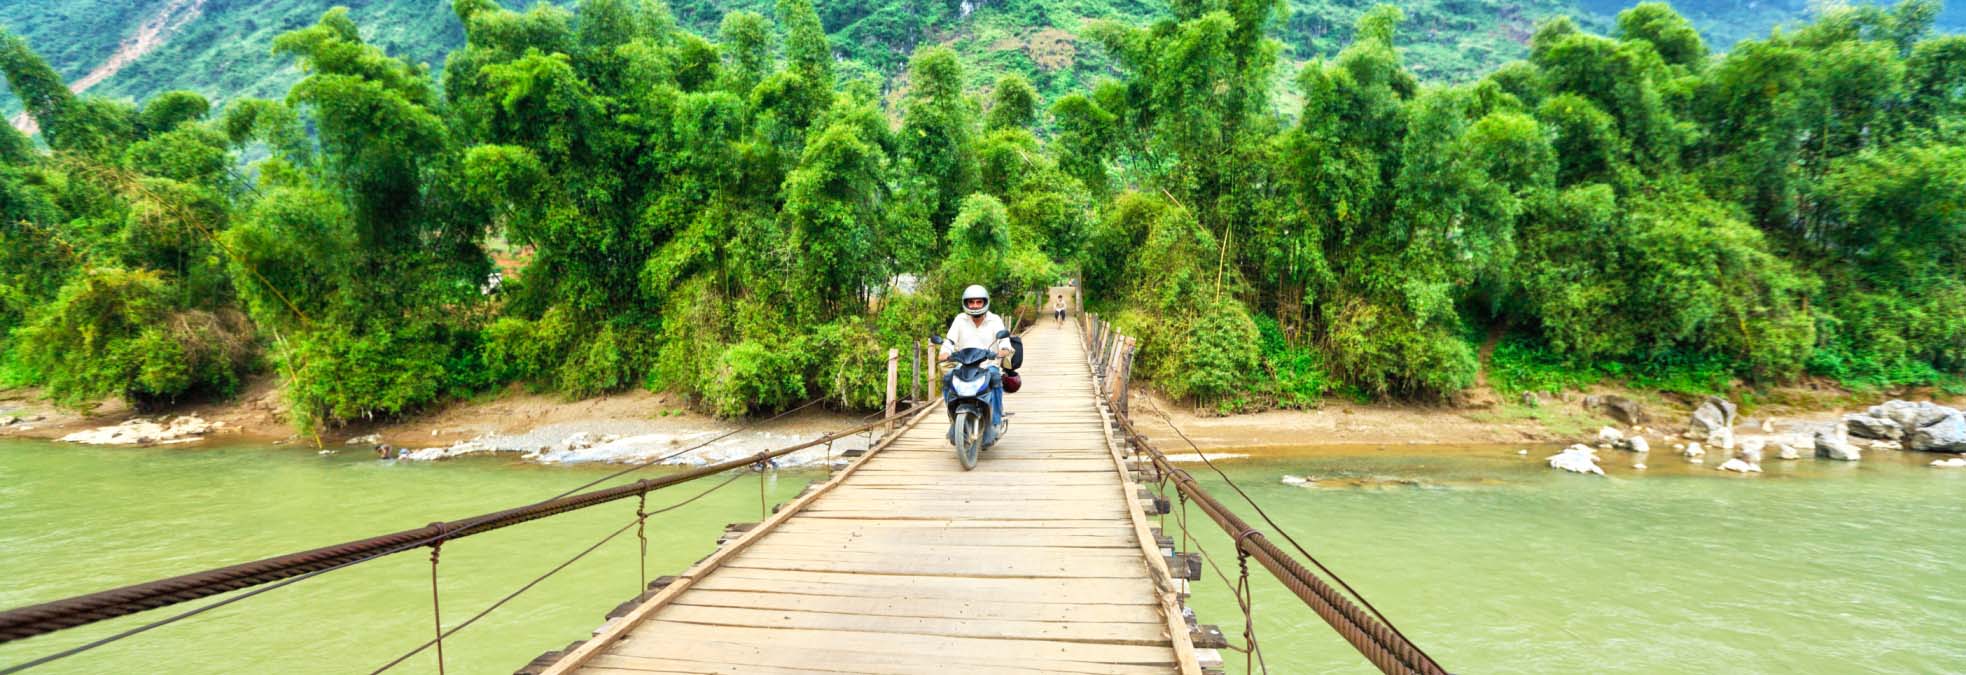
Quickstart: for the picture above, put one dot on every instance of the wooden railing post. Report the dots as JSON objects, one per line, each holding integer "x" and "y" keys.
{"x": 893, "y": 378}
{"x": 915, "y": 374}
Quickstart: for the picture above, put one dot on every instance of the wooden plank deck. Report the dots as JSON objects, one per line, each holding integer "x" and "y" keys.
{"x": 1037, "y": 561}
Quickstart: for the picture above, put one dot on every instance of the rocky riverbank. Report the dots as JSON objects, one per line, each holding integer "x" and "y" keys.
{"x": 1715, "y": 427}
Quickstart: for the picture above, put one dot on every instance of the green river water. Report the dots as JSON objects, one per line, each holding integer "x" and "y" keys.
{"x": 1492, "y": 562}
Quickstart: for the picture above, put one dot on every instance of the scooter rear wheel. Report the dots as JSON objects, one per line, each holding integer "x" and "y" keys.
{"x": 969, "y": 439}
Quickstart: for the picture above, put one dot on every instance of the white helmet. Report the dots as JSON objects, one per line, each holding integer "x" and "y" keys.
{"x": 976, "y": 291}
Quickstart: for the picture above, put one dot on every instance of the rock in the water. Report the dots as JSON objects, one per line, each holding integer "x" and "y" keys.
{"x": 1954, "y": 463}
{"x": 1295, "y": 480}
{"x": 1577, "y": 458}
{"x": 371, "y": 439}
{"x": 1610, "y": 436}
{"x": 1786, "y": 451}
{"x": 1714, "y": 413}
{"x": 1880, "y": 428}
{"x": 1948, "y": 434}
{"x": 1638, "y": 444}
{"x": 1768, "y": 426}
{"x": 1830, "y": 445}
{"x": 1886, "y": 445}
{"x": 1751, "y": 451}
{"x": 1722, "y": 438}
{"x": 1693, "y": 450}
{"x": 1640, "y": 466}
{"x": 1740, "y": 465}
{"x": 9, "y": 421}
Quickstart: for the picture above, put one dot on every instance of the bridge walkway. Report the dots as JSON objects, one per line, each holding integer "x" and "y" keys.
{"x": 1037, "y": 561}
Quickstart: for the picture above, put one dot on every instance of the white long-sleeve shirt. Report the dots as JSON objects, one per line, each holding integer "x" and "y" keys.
{"x": 965, "y": 333}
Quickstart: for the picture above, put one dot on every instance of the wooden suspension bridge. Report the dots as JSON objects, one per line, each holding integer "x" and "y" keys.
{"x": 1040, "y": 560}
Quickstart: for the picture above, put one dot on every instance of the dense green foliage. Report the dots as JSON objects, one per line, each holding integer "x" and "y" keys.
{"x": 736, "y": 220}
{"x": 221, "y": 48}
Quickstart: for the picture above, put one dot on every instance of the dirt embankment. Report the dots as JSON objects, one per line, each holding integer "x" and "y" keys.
{"x": 515, "y": 418}
{"x": 1482, "y": 418}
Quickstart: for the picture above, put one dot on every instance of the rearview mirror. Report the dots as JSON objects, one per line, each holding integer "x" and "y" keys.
{"x": 1003, "y": 334}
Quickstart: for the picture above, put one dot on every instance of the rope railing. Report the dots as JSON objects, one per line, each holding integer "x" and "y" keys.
{"x": 82, "y": 610}
{"x": 1375, "y": 638}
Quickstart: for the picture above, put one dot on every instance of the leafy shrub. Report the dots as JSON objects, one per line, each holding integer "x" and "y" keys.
{"x": 117, "y": 332}
{"x": 752, "y": 376}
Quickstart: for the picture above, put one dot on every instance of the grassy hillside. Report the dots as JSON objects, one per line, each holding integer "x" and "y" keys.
{"x": 222, "y": 50}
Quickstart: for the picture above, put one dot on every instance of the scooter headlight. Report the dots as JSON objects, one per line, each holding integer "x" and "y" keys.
{"x": 970, "y": 387}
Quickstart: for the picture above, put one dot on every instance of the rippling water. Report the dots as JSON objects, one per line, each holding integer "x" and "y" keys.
{"x": 78, "y": 519}
{"x": 1495, "y": 563}
{"x": 1491, "y": 561}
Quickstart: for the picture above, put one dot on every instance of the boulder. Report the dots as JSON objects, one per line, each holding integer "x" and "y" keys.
{"x": 1608, "y": 436}
{"x": 1577, "y": 459}
{"x": 371, "y": 439}
{"x": 1693, "y": 450}
{"x": 1878, "y": 428}
{"x": 1714, "y": 413}
{"x": 9, "y": 421}
{"x": 1722, "y": 438}
{"x": 1831, "y": 445}
{"x": 1947, "y": 434}
{"x": 1751, "y": 451}
{"x": 1910, "y": 415}
{"x": 1625, "y": 410}
{"x": 1954, "y": 463}
{"x": 1739, "y": 465}
{"x": 1638, "y": 444}
{"x": 1786, "y": 451}
{"x": 1886, "y": 445}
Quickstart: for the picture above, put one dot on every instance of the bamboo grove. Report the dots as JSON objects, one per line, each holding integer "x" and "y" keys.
{"x": 731, "y": 218}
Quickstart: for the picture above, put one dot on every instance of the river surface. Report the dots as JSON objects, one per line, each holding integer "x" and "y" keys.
{"x": 1490, "y": 561}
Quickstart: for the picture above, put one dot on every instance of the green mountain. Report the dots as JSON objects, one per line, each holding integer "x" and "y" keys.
{"x": 222, "y": 48}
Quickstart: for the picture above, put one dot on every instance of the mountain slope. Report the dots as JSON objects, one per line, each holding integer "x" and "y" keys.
{"x": 222, "y": 47}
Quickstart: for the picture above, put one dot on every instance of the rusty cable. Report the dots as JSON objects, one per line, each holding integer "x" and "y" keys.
{"x": 1387, "y": 650}
{"x": 1355, "y": 595}
{"x": 436, "y": 608}
{"x": 653, "y": 462}
{"x": 640, "y": 517}
{"x": 48, "y": 617}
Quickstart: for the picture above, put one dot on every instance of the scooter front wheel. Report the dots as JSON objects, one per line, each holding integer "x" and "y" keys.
{"x": 969, "y": 439}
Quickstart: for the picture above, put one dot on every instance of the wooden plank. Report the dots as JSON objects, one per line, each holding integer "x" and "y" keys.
{"x": 1001, "y": 629}
{"x": 729, "y": 657}
{"x": 908, "y": 564}
{"x": 1058, "y": 555}
{"x": 899, "y": 537}
{"x": 966, "y": 608}
{"x": 943, "y": 589}
{"x": 928, "y": 649}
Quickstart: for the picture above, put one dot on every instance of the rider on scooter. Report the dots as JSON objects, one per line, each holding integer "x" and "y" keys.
{"x": 977, "y": 327}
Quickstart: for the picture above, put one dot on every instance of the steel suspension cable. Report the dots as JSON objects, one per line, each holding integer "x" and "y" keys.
{"x": 653, "y": 462}
{"x": 75, "y": 611}
{"x": 640, "y": 516}
{"x": 1279, "y": 529}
